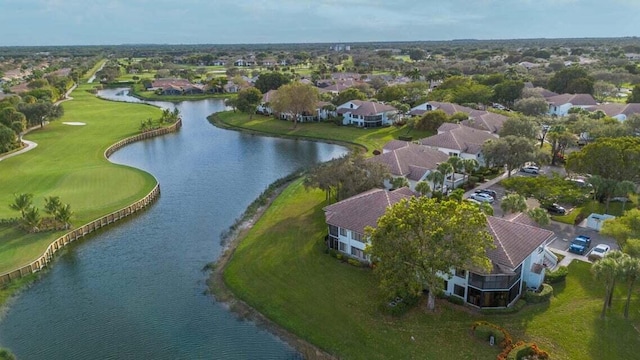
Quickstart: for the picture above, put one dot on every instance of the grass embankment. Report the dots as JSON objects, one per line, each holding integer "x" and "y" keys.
{"x": 69, "y": 163}
{"x": 371, "y": 139}
{"x": 615, "y": 209}
{"x": 280, "y": 269}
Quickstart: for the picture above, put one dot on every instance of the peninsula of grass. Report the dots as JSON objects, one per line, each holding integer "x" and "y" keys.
{"x": 69, "y": 163}
{"x": 370, "y": 139}
{"x": 152, "y": 96}
{"x": 280, "y": 268}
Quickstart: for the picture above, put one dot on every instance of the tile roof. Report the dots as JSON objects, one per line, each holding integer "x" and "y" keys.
{"x": 365, "y": 108}
{"x": 450, "y": 108}
{"x": 401, "y": 161}
{"x": 514, "y": 241}
{"x": 462, "y": 138}
{"x": 573, "y": 99}
{"x": 485, "y": 120}
{"x": 360, "y": 211}
{"x": 268, "y": 96}
{"x": 165, "y": 82}
{"x": 614, "y": 109}
{"x": 395, "y": 144}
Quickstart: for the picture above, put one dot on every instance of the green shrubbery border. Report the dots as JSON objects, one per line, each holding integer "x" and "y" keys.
{"x": 543, "y": 295}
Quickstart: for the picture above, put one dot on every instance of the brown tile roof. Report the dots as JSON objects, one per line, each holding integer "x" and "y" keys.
{"x": 573, "y": 99}
{"x": 411, "y": 160}
{"x": 163, "y": 83}
{"x": 395, "y": 144}
{"x": 366, "y": 108}
{"x": 514, "y": 241}
{"x": 450, "y": 108}
{"x": 485, "y": 120}
{"x": 360, "y": 211}
{"x": 614, "y": 109}
{"x": 546, "y": 93}
{"x": 462, "y": 138}
{"x": 268, "y": 96}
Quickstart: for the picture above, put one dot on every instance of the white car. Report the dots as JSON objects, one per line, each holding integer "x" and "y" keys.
{"x": 482, "y": 197}
{"x": 599, "y": 251}
{"x": 530, "y": 169}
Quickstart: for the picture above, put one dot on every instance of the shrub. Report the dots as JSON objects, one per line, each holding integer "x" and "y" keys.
{"x": 523, "y": 349}
{"x": 554, "y": 277}
{"x": 376, "y": 152}
{"x": 510, "y": 310}
{"x": 339, "y": 256}
{"x": 492, "y": 329}
{"x": 543, "y": 295}
{"x": 354, "y": 262}
{"x": 405, "y": 138}
{"x": 455, "y": 300}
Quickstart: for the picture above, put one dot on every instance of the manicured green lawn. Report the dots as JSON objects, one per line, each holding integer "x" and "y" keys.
{"x": 69, "y": 163}
{"x": 369, "y": 138}
{"x": 280, "y": 269}
{"x": 615, "y": 208}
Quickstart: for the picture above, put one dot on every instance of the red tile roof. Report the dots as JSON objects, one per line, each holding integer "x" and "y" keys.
{"x": 411, "y": 159}
{"x": 365, "y": 108}
{"x": 462, "y": 138}
{"x": 573, "y": 99}
{"x": 514, "y": 241}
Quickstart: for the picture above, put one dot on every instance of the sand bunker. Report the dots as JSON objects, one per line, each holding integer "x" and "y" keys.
{"x": 74, "y": 123}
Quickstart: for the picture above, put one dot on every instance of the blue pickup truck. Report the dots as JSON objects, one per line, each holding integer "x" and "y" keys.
{"x": 580, "y": 245}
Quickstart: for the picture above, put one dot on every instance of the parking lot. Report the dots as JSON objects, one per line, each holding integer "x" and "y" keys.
{"x": 563, "y": 233}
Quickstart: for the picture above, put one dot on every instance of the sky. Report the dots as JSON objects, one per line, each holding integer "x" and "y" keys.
{"x": 113, "y": 22}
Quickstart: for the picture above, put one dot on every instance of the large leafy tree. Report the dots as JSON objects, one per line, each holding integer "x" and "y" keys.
{"x": 560, "y": 138}
{"x": 420, "y": 238}
{"x": 431, "y": 120}
{"x": 573, "y": 80}
{"x": 624, "y": 229}
{"x": 613, "y": 159}
{"x": 347, "y": 176}
{"x": 296, "y": 99}
{"x": 512, "y": 151}
{"x": 247, "y": 100}
{"x": 508, "y": 91}
{"x": 532, "y": 106}
{"x": 39, "y": 112}
{"x": 348, "y": 95}
{"x": 521, "y": 126}
{"x": 513, "y": 203}
{"x": 634, "y": 97}
{"x": 271, "y": 81}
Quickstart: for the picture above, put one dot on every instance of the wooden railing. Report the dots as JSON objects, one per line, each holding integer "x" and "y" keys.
{"x": 75, "y": 234}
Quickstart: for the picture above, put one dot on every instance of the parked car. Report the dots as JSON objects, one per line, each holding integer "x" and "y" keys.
{"x": 482, "y": 197}
{"x": 599, "y": 251}
{"x": 555, "y": 209}
{"x": 488, "y": 191}
{"x": 580, "y": 245}
{"x": 530, "y": 169}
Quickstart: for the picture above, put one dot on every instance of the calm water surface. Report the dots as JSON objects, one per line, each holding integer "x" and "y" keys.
{"x": 136, "y": 290}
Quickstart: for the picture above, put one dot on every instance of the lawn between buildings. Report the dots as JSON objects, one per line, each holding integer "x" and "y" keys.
{"x": 69, "y": 162}
{"x": 280, "y": 268}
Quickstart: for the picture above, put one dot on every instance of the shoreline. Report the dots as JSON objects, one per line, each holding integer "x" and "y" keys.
{"x": 216, "y": 284}
{"x": 221, "y": 293}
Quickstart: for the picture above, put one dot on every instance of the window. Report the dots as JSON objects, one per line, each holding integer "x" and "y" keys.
{"x": 356, "y": 236}
{"x": 333, "y": 230}
{"x": 446, "y": 285}
{"x": 458, "y": 290}
{"x": 461, "y": 273}
{"x": 343, "y": 232}
{"x": 453, "y": 154}
{"x": 342, "y": 246}
{"x": 357, "y": 252}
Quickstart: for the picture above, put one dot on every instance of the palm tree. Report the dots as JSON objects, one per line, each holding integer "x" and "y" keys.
{"x": 32, "y": 218}
{"x": 617, "y": 256}
{"x": 64, "y": 214}
{"x": 52, "y": 204}
{"x": 469, "y": 165}
{"x": 399, "y": 182}
{"x": 445, "y": 168}
{"x": 436, "y": 177}
{"x": 539, "y": 215}
{"x": 605, "y": 271}
{"x": 624, "y": 188}
{"x": 457, "y": 195}
{"x": 423, "y": 188}
{"x": 457, "y": 163}
{"x": 513, "y": 203}
{"x": 21, "y": 203}
{"x": 629, "y": 273}
{"x": 486, "y": 208}
{"x": 414, "y": 74}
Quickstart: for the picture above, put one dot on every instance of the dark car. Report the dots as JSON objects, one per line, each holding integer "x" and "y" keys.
{"x": 488, "y": 191}
{"x": 580, "y": 245}
{"x": 555, "y": 209}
